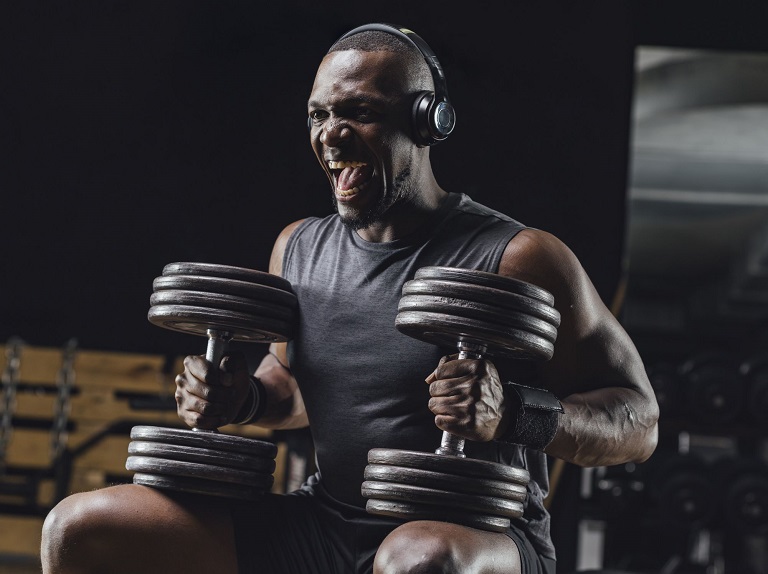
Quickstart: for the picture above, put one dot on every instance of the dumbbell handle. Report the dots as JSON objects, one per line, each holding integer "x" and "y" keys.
{"x": 217, "y": 346}
{"x": 451, "y": 444}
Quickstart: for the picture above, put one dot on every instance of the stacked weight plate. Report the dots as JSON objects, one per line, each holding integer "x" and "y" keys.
{"x": 224, "y": 303}
{"x": 425, "y": 486}
{"x": 201, "y": 462}
{"x": 481, "y": 314}
{"x": 247, "y": 304}
{"x": 449, "y": 306}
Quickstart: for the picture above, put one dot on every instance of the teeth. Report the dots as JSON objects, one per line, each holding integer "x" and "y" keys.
{"x": 343, "y": 164}
{"x": 347, "y": 192}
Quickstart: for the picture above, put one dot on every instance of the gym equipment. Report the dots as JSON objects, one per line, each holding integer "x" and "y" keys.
{"x": 9, "y": 384}
{"x": 685, "y": 491}
{"x": 225, "y": 303}
{"x": 756, "y": 373}
{"x": 743, "y": 483}
{"x": 715, "y": 390}
{"x": 65, "y": 380}
{"x": 746, "y": 503}
{"x": 478, "y": 313}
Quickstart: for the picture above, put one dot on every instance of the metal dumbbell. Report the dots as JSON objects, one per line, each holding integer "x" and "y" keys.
{"x": 225, "y": 304}
{"x": 479, "y": 314}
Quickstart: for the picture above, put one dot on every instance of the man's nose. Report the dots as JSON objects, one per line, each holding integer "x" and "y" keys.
{"x": 334, "y": 131}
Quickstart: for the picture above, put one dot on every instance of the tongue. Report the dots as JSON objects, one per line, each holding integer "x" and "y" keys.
{"x": 352, "y": 176}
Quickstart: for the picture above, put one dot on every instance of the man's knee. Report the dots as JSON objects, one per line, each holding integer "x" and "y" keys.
{"x": 416, "y": 548}
{"x": 74, "y": 523}
{"x": 131, "y": 528}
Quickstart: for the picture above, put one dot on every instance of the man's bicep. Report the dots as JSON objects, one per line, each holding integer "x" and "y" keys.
{"x": 591, "y": 350}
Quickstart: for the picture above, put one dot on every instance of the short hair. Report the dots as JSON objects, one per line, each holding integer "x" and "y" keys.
{"x": 374, "y": 41}
{"x": 380, "y": 41}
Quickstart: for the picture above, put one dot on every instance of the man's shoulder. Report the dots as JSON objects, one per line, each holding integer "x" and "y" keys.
{"x": 467, "y": 205}
{"x": 312, "y": 230}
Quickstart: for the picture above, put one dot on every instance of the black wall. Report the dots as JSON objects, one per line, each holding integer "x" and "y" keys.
{"x": 136, "y": 134}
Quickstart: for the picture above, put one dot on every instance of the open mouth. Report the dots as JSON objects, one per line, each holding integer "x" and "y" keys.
{"x": 350, "y": 176}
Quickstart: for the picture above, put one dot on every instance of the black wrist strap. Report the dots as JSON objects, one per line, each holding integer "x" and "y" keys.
{"x": 255, "y": 403}
{"x": 533, "y": 416}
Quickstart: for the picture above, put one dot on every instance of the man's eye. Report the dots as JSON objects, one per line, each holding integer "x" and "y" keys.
{"x": 318, "y": 117}
{"x": 363, "y": 115}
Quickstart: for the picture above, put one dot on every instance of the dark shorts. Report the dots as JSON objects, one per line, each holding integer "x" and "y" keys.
{"x": 309, "y": 532}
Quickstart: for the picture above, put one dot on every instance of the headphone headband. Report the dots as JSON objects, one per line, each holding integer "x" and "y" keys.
{"x": 433, "y": 114}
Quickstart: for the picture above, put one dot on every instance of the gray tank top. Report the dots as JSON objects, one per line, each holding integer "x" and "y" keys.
{"x": 362, "y": 380}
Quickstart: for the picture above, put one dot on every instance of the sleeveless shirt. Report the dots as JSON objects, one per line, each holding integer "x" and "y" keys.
{"x": 362, "y": 380}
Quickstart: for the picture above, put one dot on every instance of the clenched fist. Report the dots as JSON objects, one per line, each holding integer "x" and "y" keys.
{"x": 208, "y": 397}
{"x": 467, "y": 398}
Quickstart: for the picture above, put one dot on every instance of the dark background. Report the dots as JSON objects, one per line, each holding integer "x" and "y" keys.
{"x": 136, "y": 134}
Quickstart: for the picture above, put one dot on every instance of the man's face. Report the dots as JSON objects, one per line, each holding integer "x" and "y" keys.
{"x": 360, "y": 125}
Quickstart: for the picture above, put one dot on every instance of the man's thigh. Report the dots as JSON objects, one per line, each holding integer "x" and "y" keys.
{"x": 307, "y": 533}
{"x": 282, "y": 534}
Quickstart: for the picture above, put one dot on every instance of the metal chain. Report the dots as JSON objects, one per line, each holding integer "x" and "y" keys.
{"x": 65, "y": 380}
{"x": 10, "y": 383}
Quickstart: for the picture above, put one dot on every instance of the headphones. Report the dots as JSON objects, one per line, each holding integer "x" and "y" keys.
{"x": 432, "y": 117}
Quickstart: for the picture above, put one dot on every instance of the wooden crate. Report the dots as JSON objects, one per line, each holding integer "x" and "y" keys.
{"x": 112, "y": 391}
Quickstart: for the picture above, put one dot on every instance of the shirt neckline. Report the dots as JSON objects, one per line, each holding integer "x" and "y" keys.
{"x": 415, "y": 238}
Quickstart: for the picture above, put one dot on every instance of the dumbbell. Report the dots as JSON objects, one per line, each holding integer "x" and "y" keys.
{"x": 715, "y": 391}
{"x": 224, "y": 303}
{"x": 743, "y": 481}
{"x": 685, "y": 490}
{"x": 755, "y": 371}
{"x": 479, "y": 314}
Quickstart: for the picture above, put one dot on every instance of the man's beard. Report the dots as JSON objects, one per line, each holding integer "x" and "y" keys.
{"x": 376, "y": 213}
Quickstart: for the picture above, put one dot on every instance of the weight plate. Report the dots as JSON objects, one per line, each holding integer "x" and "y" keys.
{"x": 482, "y": 294}
{"x": 449, "y": 330}
{"x": 228, "y": 272}
{"x": 224, "y": 286}
{"x": 204, "y": 439}
{"x": 480, "y": 312}
{"x": 449, "y": 464}
{"x": 198, "y": 486}
{"x": 226, "y": 302}
{"x": 716, "y": 394}
{"x": 240, "y": 326}
{"x": 487, "y": 279}
{"x": 687, "y": 498}
{"x": 203, "y": 455}
{"x": 447, "y": 482}
{"x": 166, "y": 467}
{"x": 431, "y": 497}
{"x": 746, "y": 504}
{"x": 411, "y": 511}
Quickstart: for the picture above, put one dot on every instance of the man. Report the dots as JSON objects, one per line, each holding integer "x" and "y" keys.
{"x": 359, "y": 383}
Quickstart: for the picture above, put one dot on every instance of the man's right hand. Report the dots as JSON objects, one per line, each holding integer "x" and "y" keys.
{"x": 209, "y": 397}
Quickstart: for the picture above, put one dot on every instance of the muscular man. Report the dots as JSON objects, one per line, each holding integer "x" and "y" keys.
{"x": 359, "y": 384}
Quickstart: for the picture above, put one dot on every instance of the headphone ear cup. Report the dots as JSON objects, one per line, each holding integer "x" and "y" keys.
{"x": 432, "y": 121}
{"x": 420, "y": 119}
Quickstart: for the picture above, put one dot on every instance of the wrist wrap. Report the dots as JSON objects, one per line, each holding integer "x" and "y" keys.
{"x": 533, "y": 414}
{"x": 253, "y": 410}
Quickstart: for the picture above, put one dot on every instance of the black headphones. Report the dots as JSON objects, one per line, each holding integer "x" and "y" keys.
{"x": 433, "y": 117}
